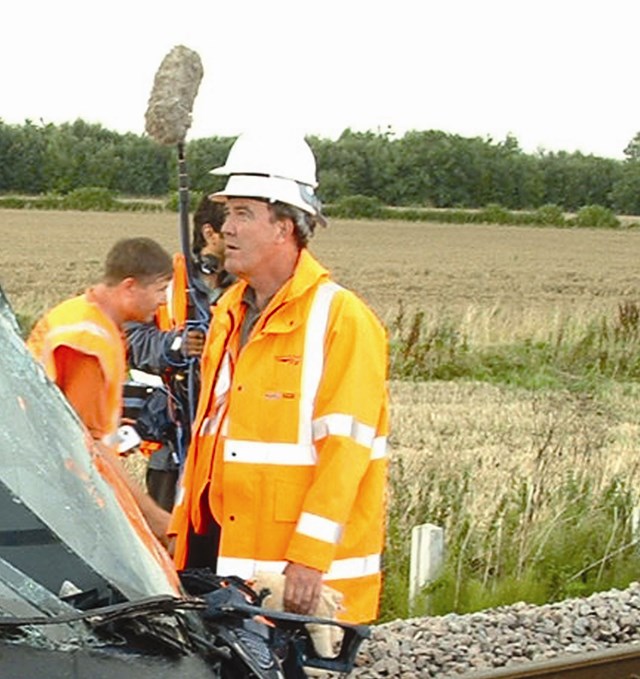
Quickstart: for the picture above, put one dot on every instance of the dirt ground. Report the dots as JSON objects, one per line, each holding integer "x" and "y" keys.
{"x": 46, "y": 256}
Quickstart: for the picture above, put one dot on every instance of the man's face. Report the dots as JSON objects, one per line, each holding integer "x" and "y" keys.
{"x": 145, "y": 299}
{"x": 251, "y": 238}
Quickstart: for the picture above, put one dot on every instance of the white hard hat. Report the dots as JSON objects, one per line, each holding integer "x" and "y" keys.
{"x": 272, "y": 166}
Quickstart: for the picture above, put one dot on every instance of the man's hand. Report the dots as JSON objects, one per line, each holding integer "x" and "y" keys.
{"x": 193, "y": 343}
{"x": 302, "y": 589}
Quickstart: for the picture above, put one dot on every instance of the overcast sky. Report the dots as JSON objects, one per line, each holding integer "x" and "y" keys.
{"x": 557, "y": 74}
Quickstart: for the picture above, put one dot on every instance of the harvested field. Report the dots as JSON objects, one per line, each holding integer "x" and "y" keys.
{"x": 522, "y": 273}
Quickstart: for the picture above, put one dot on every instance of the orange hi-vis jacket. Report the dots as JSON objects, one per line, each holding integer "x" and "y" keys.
{"x": 289, "y": 438}
{"x": 80, "y": 324}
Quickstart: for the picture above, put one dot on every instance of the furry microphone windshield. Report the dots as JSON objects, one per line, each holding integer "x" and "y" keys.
{"x": 175, "y": 86}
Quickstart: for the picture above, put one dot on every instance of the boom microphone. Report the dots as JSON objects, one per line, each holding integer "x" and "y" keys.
{"x": 167, "y": 120}
{"x": 175, "y": 87}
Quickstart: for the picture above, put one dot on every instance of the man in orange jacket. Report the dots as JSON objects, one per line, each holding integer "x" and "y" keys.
{"x": 287, "y": 462}
{"x": 81, "y": 345}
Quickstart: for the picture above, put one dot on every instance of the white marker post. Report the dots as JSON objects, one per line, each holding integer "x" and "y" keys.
{"x": 427, "y": 557}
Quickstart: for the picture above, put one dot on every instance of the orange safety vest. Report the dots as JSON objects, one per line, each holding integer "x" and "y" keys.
{"x": 289, "y": 439}
{"x": 80, "y": 324}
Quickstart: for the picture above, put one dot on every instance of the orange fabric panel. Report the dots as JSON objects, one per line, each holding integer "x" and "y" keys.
{"x": 81, "y": 379}
{"x": 148, "y": 448}
{"x": 173, "y": 314}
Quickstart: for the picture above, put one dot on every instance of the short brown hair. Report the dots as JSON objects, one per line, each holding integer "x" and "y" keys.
{"x": 140, "y": 258}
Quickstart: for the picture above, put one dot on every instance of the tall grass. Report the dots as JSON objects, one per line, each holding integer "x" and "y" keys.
{"x": 550, "y": 515}
{"x": 537, "y": 506}
{"x": 563, "y": 354}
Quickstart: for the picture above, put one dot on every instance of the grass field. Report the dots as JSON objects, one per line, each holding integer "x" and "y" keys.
{"x": 473, "y": 453}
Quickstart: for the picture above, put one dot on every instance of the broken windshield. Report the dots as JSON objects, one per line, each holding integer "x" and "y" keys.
{"x": 60, "y": 521}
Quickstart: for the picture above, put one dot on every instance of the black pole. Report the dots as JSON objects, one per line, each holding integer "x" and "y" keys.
{"x": 183, "y": 199}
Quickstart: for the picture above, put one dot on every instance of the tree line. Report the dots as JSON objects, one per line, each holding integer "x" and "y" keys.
{"x": 420, "y": 169}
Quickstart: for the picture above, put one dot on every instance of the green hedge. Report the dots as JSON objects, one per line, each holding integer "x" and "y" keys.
{"x": 366, "y": 207}
{"x": 350, "y": 207}
{"x": 86, "y": 199}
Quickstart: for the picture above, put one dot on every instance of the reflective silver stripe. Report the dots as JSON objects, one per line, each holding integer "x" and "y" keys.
{"x": 179, "y": 495}
{"x": 256, "y": 452}
{"x": 341, "y": 569}
{"x": 319, "y": 528}
{"x": 313, "y": 357}
{"x": 223, "y": 381}
{"x": 169, "y": 294}
{"x": 355, "y": 567}
{"x": 379, "y": 448}
{"x": 82, "y": 326}
{"x": 221, "y": 388}
{"x": 246, "y": 568}
{"x": 343, "y": 425}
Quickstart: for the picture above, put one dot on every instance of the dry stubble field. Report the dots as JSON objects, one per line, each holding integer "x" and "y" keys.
{"x": 500, "y": 281}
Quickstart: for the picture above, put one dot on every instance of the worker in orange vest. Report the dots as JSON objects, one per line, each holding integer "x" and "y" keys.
{"x": 286, "y": 471}
{"x": 169, "y": 349}
{"x": 81, "y": 346}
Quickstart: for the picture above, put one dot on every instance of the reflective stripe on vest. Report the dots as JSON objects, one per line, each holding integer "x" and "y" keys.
{"x": 256, "y": 452}
{"x": 82, "y": 326}
{"x": 221, "y": 390}
{"x": 250, "y": 452}
{"x": 313, "y": 364}
{"x": 319, "y": 528}
{"x": 341, "y": 569}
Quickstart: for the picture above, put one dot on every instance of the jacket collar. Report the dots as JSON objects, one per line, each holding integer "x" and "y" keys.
{"x": 307, "y": 274}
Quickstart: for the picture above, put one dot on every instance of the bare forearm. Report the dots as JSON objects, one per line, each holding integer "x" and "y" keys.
{"x": 156, "y": 517}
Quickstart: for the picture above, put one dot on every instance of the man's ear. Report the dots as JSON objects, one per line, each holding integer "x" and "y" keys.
{"x": 285, "y": 227}
{"x": 128, "y": 285}
{"x": 208, "y": 232}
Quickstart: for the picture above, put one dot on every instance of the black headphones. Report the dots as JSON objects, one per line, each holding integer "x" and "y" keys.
{"x": 208, "y": 264}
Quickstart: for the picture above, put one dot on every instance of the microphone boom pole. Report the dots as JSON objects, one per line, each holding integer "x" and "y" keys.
{"x": 167, "y": 119}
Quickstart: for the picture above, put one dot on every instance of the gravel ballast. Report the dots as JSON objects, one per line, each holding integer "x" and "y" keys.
{"x": 455, "y": 645}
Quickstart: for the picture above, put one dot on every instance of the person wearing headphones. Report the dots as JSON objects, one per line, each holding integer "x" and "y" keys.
{"x": 164, "y": 355}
